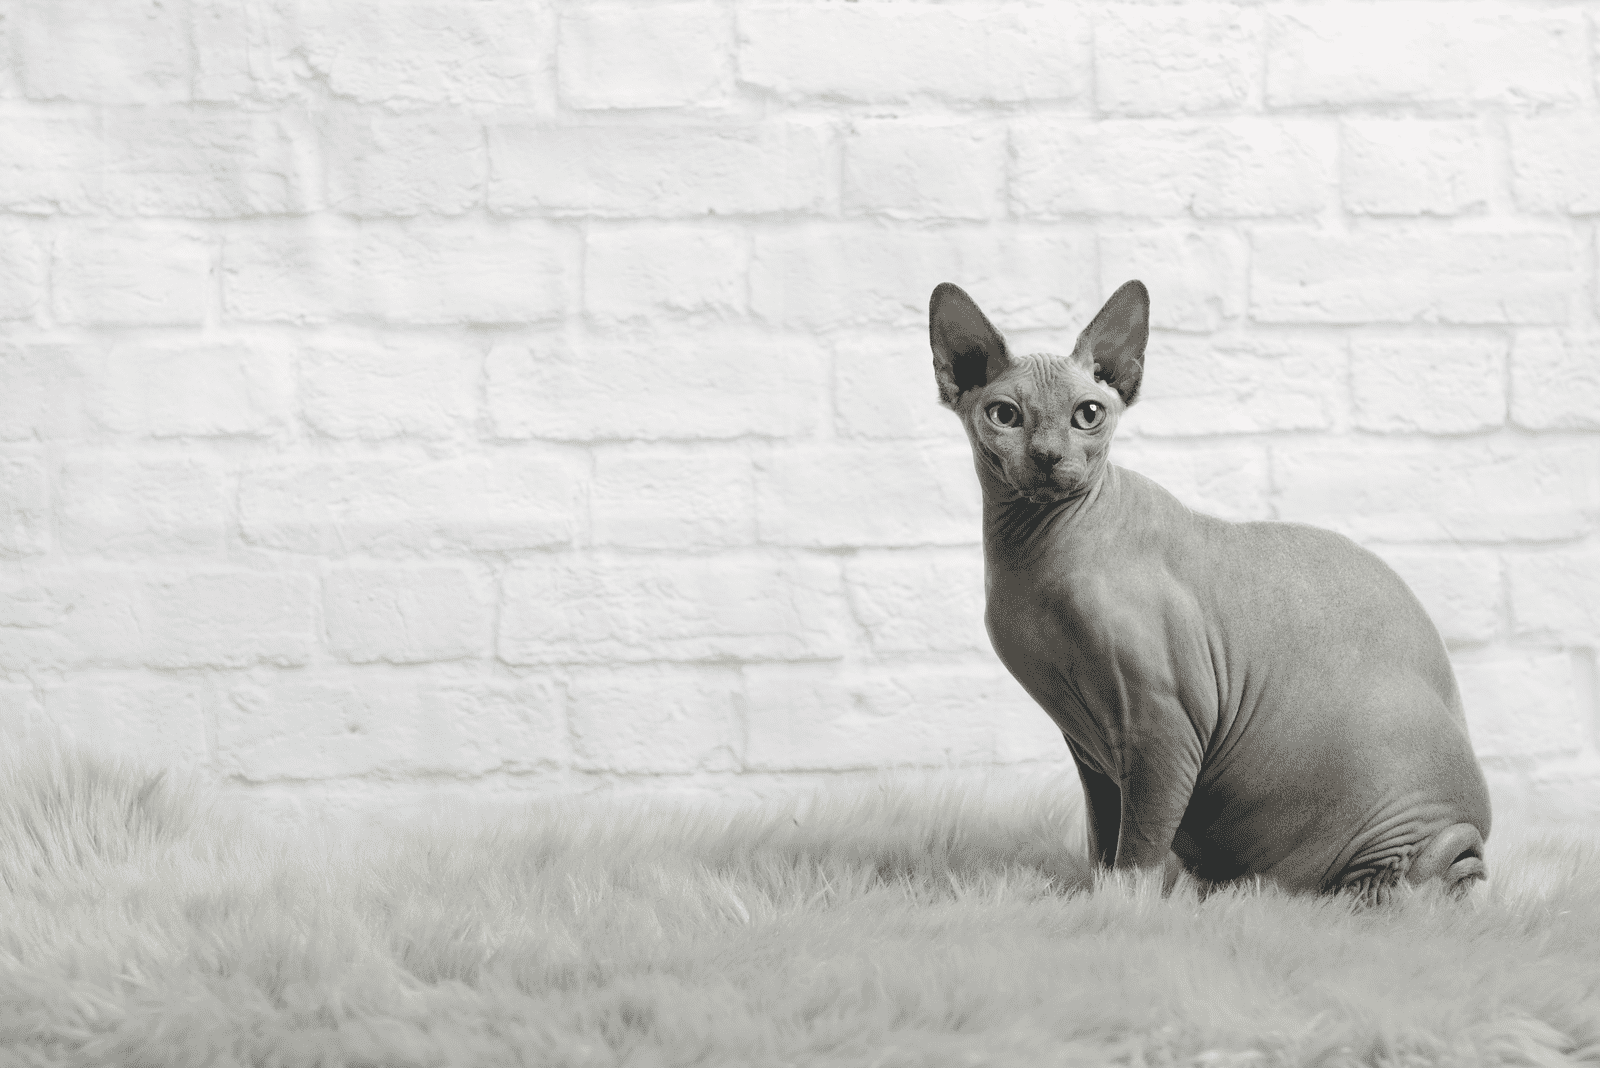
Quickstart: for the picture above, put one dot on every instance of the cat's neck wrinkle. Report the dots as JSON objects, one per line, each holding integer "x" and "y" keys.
{"x": 1016, "y": 530}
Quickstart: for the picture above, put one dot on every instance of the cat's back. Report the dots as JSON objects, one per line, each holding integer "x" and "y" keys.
{"x": 1279, "y": 563}
{"x": 1141, "y": 568}
{"x": 1291, "y": 580}
{"x": 1284, "y": 592}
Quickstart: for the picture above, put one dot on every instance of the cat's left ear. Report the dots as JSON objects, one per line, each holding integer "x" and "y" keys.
{"x": 1114, "y": 342}
{"x": 967, "y": 350}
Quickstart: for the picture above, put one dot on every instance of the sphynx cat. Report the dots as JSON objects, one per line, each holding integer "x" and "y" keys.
{"x": 1257, "y": 699}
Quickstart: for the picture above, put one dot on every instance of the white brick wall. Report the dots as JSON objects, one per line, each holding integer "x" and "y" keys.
{"x": 534, "y": 395}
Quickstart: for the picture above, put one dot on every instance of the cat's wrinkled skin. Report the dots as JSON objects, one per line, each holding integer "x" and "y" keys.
{"x": 1256, "y": 698}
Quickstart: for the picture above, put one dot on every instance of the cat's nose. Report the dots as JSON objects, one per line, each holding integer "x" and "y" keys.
{"x": 1044, "y": 460}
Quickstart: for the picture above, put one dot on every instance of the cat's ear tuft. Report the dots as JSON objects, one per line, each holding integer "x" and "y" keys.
{"x": 967, "y": 350}
{"x": 1114, "y": 342}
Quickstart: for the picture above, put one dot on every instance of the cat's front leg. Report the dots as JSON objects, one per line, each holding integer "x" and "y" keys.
{"x": 1102, "y": 800}
{"x": 1158, "y": 780}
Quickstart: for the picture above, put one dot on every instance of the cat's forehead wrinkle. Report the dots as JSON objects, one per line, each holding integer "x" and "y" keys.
{"x": 1047, "y": 372}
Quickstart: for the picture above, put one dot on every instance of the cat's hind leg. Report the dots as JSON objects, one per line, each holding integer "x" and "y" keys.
{"x": 1454, "y": 855}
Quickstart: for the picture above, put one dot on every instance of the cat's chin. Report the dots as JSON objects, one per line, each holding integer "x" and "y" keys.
{"x": 1043, "y": 493}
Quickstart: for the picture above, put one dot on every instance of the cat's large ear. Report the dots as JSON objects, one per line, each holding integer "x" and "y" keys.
{"x": 967, "y": 350}
{"x": 1114, "y": 342}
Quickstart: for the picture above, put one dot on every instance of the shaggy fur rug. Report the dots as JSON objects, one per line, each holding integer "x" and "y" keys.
{"x": 141, "y": 924}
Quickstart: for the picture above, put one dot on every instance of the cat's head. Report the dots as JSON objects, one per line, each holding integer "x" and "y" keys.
{"x": 1040, "y": 424}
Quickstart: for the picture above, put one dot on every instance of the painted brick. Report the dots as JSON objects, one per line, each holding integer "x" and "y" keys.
{"x": 816, "y": 717}
{"x": 747, "y": 205}
{"x": 159, "y": 721}
{"x": 836, "y": 497}
{"x": 245, "y": 51}
{"x": 10, "y": 84}
{"x": 1473, "y": 491}
{"x": 141, "y": 274}
{"x": 883, "y": 388}
{"x": 24, "y": 503}
{"x": 1228, "y": 480}
{"x": 1421, "y": 52}
{"x": 1520, "y": 703}
{"x": 431, "y": 51}
{"x": 1556, "y": 594}
{"x": 159, "y": 162}
{"x": 1174, "y": 59}
{"x": 918, "y": 603}
{"x": 652, "y": 720}
{"x": 832, "y": 276}
{"x": 121, "y": 505}
{"x": 1237, "y": 168}
{"x": 422, "y": 272}
{"x": 380, "y": 164}
{"x": 1445, "y": 385}
{"x": 199, "y": 165}
{"x": 21, "y": 711}
{"x": 1415, "y": 167}
{"x": 23, "y": 267}
{"x": 407, "y": 615}
{"x": 331, "y": 725}
{"x": 94, "y": 617}
{"x": 229, "y": 619}
{"x": 1237, "y": 384}
{"x": 1564, "y": 791}
{"x": 1554, "y": 159}
{"x": 304, "y": 730}
{"x": 650, "y": 270}
{"x": 648, "y": 498}
{"x": 510, "y": 500}
{"x": 1009, "y": 53}
{"x": 43, "y": 395}
{"x": 702, "y": 385}
{"x": 190, "y": 389}
{"x": 594, "y": 610}
{"x": 904, "y": 170}
{"x": 65, "y": 618}
{"x": 391, "y": 387}
{"x": 1196, "y": 278}
{"x": 1461, "y": 588}
{"x": 50, "y": 163}
{"x": 1406, "y": 275}
{"x": 79, "y": 50}
{"x": 660, "y": 56}
{"x": 515, "y": 726}
{"x": 658, "y": 172}
{"x": 1555, "y": 380}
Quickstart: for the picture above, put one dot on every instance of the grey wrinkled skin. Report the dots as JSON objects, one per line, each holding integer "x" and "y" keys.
{"x": 1257, "y": 699}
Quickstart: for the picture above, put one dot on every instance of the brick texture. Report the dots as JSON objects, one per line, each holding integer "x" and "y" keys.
{"x": 413, "y": 615}
{"x": 1158, "y": 61}
{"x": 984, "y": 52}
{"x": 537, "y": 394}
{"x": 1404, "y": 167}
{"x": 132, "y": 274}
{"x": 191, "y": 388}
{"x": 676, "y": 55}
{"x": 606, "y": 609}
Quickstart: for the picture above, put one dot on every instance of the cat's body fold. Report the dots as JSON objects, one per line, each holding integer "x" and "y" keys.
{"x": 1257, "y": 698}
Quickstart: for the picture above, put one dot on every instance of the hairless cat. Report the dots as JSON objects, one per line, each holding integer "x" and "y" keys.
{"x": 1255, "y": 699}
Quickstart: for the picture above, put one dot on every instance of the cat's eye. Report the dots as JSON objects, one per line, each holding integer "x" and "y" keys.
{"x": 1004, "y": 413}
{"x": 1087, "y": 415}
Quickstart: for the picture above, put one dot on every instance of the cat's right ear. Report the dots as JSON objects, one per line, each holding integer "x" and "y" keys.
{"x": 967, "y": 350}
{"x": 1112, "y": 345}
